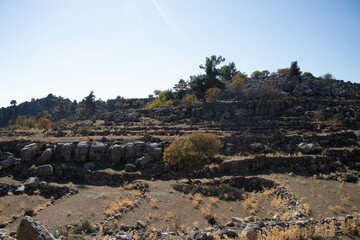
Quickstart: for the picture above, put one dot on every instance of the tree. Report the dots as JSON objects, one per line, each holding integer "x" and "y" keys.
{"x": 89, "y": 102}
{"x": 294, "y": 70}
{"x": 265, "y": 73}
{"x": 227, "y": 72}
{"x": 236, "y": 87}
{"x": 13, "y": 102}
{"x": 256, "y": 74}
{"x": 156, "y": 92}
{"x": 199, "y": 84}
{"x": 181, "y": 89}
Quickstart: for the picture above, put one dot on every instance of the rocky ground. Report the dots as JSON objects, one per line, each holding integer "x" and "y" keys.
{"x": 288, "y": 169}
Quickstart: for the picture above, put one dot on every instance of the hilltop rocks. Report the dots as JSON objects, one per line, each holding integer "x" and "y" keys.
{"x": 32, "y": 230}
{"x": 28, "y": 152}
{"x": 97, "y": 151}
{"x": 45, "y": 156}
{"x": 81, "y": 152}
{"x": 118, "y": 153}
{"x": 44, "y": 170}
{"x": 32, "y": 182}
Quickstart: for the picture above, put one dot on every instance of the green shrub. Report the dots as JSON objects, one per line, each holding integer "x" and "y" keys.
{"x": 165, "y": 99}
{"x": 85, "y": 227}
{"x": 192, "y": 150}
{"x": 213, "y": 94}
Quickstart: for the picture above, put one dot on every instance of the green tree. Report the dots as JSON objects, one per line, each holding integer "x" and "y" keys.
{"x": 199, "y": 84}
{"x": 227, "y": 72}
{"x": 294, "y": 69}
{"x": 181, "y": 89}
{"x": 256, "y": 74}
{"x": 90, "y": 103}
{"x": 13, "y": 102}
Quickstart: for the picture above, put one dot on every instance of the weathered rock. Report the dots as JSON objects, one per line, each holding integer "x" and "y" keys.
{"x": 28, "y": 152}
{"x": 32, "y": 230}
{"x": 350, "y": 178}
{"x": 19, "y": 190}
{"x": 130, "y": 167}
{"x": 130, "y": 153}
{"x": 140, "y": 224}
{"x": 250, "y": 231}
{"x": 97, "y": 151}
{"x": 117, "y": 153}
{"x": 8, "y": 162}
{"x": 154, "y": 150}
{"x": 306, "y": 147}
{"x": 82, "y": 152}
{"x": 46, "y": 155}
{"x": 143, "y": 161}
{"x": 32, "y": 182}
{"x": 67, "y": 152}
{"x": 44, "y": 170}
{"x": 139, "y": 148}
{"x": 89, "y": 165}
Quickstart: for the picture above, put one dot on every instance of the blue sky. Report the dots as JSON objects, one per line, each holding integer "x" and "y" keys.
{"x": 132, "y": 47}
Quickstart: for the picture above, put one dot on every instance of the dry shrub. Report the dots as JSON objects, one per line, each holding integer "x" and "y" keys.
{"x": 269, "y": 92}
{"x": 213, "y": 94}
{"x": 193, "y": 149}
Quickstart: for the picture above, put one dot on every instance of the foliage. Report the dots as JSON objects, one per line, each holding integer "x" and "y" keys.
{"x": 256, "y": 74}
{"x": 237, "y": 84}
{"x": 327, "y": 76}
{"x": 44, "y": 123}
{"x": 13, "y": 102}
{"x": 193, "y": 149}
{"x": 85, "y": 227}
{"x": 165, "y": 98}
{"x": 181, "y": 89}
{"x": 269, "y": 92}
{"x": 213, "y": 94}
{"x": 29, "y": 212}
{"x": 307, "y": 74}
{"x": 89, "y": 102}
{"x": 213, "y": 77}
{"x": 294, "y": 70}
{"x": 283, "y": 71}
{"x": 189, "y": 100}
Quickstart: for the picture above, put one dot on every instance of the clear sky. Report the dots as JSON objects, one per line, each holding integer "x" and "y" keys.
{"x": 132, "y": 47}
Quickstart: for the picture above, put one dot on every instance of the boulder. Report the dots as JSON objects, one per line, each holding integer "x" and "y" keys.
{"x": 140, "y": 224}
{"x": 117, "y": 153}
{"x": 306, "y": 147}
{"x": 45, "y": 156}
{"x": 67, "y": 152}
{"x": 8, "y": 162}
{"x": 81, "y": 152}
{"x": 28, "y": 152}
{"x": 250, "y": 231}
{"x": 154, "y": 150}
{"x": 19, "y": 190}
{"x": 130, "y": 152}
{"x": 130, "y": 167}
{"x": 143, "y": 161}
{"x": 139, "y": 148}
{"x": 32, "y": 182}
{"x": 97, "y": 151}
{"x": 90, "y": 165}
{"x": 33, "y": 230}
{"x": 44, "y": 170}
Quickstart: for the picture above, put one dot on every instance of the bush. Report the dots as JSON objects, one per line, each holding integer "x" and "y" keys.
{"x": 283, "y": 71}
{"x": 213, "y": 94}
{"x": 193, "y": 149}
{"x": 85, "y": 227}
{"x": 165, "y": 99}
{"x": 44, "y": 123}
{"x": 189, "y": 100}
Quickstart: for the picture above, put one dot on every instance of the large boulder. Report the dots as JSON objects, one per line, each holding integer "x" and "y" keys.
{"x": 130, "y": 152}
{"x": 32, "y": 182}
{"x": 33, "y": 230}
{"x": 82, "y": 152}
{"x": 117, "y": 153}
{"x": 46, "y": 155}
{"x": 250, "y": 231}
{"x": 306, "y": 147}
{"x": 28, "y": 152}
{"x": 97, "y": 151}
{"x": 8, "y": 162}
{"x": 154, "y": 150}
{"x": 44, "y": 170}
{"x": 67, "y": 152}
{"x": 139, "y": 148}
